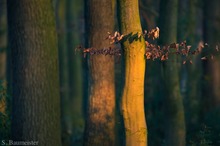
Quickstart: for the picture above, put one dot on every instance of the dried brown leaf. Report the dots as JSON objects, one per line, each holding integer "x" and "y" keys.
{"x": 204, "y": 58}
{"x": 163, "y": 58}
{"x": 216, "y": 48}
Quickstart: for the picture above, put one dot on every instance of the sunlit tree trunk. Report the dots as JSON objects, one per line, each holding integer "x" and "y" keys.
{"x": 100, "y": 124}
{"x": 174, "y": 111}
{"x": 34, "y": 54}
{"x": 133, "y": 94}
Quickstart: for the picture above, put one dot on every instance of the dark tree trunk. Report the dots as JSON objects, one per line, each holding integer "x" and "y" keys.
{"x": 63, "y": 70}
{"x": 74, "y": 10}
{"x": 100, "y": 125}
{"x": 174, "y": 110}
{"x": 211, "y": 68}
{"x": 34, "y": 54}
{"x": 190, "y": 73}
{"x": 3, "y": 45}
{"x": 3, "y": 98}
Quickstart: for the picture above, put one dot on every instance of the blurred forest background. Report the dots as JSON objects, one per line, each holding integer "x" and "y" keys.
{"x": 51, "y": 93}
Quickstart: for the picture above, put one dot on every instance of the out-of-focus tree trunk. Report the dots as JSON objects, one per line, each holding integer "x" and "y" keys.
{"x": 190, "y": 73}
{"x": 153, "y": 88}
{"x": 3, "y": 92}
{"x": 35, "y": 85}
{"x": 100, "y": 124}
{"x": 63, "y": 70}
{"x": 211, "y": 68}
{"x": 133, "y": 93}
{"x": 174, "y": 111}
{"x": 74, "y": 18}
{"x": 187, "y": 27}
{"x": 3, "y": 45}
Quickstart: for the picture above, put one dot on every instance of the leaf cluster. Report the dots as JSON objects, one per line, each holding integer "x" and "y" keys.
{"x": 154, "y": 51}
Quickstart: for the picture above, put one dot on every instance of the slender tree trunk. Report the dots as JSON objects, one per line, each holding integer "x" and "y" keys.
{"x": 133, "y": 93}
{"x": 33, "y": 43}
{"x": 3, "y": 45}
{"x": 4, "y": 132}
{"x": 74, "y": 14}
{"x": 211, "y": 69}
{"x": 188, "y": 11}
{"x": 100, "y": 125}
{"x": 84, "y": 60}
{"x": 174, "y": 111}
{"x": 153, "y": 88}
{"x": 63, "y": 70}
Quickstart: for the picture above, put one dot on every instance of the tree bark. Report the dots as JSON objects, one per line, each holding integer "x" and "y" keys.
{"x": 133, "y": 93}
{"x": 35, "y": 85}
{"x": 100, "y": 124}
{"x": 175, "y": 127}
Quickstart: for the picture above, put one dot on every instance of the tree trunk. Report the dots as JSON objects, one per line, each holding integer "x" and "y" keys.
{"x": 187, "y": 26}
{"x": 133, "y": 93}
{"x": 74, "y": 10}
{"x": 35, "y": 85}
{"x": 3, "y": 45}
{"x": 63, "y": 70}
{"x": 100, "y": 125}
{"x": 211, "y": 69}
{"x": 174, "y": 111}
{"x": 4, "y": 132}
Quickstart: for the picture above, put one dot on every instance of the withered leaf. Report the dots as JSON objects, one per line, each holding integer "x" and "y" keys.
{"x": 116, "y": 33}
{"x": 139, "y": 35}
{"x": 163, "y": 58}
{"x": 216, "y": 48}
{"x": 188, "y": 47}
{"x": 146, "y": 43}
{"x": 206, "y": 44}
{"x": 204, "y": 58}
{"x": 154, "y": 33}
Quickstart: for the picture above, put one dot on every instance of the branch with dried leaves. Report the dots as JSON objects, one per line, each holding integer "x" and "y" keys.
{"x": 153, "y": 51}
